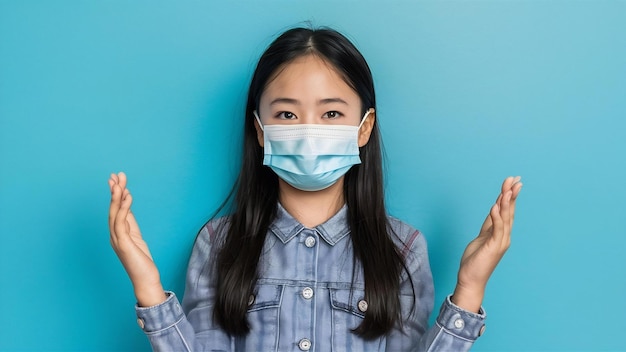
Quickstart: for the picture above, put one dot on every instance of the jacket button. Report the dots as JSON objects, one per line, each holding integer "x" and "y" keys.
{"x": 362, "y": 305}
{"x": 459, "y": 323}
{"x": 250, "y": 300}
{"x": 307, "y": 293}
{"x": 141, "y": 323}
{"x": 309, "y": 242}
{"x": 304, "y": 344}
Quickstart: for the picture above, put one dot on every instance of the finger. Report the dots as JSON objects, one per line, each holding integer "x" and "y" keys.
{"x": 112, "y": 181}
{"x": 115, "y": 178}
{"x": 499, "y": 200}
{"x": 498, "y": 226}
{"x": 506, "y": 184}
{"x": 487, "y": 224}
{"x": 114, "y": 207}
{"x": 123, "y": 180}
{"x": 516, "y": 190}
{"x": 490, "y": 222}
{"x": 505, "y": 212}
{"x": 507, "y": 216}
{"x": 121, "y": 229}
{"x": 494, "y": 212}
{"x": 509, "y": 183}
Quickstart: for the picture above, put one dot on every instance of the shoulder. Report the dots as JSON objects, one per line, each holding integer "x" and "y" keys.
{"x": 212, "y": 233}
{"x": 202, "y": 260}
{"x": 409, "y": 240}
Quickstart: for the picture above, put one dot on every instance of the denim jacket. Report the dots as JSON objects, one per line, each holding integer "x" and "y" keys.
{"x": 302, "y": 300}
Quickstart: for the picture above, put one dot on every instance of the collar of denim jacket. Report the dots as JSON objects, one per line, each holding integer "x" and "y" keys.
{"x": 286, "y": 227}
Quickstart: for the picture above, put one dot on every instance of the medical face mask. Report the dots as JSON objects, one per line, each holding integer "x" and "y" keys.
{"x": 310, "y": 157}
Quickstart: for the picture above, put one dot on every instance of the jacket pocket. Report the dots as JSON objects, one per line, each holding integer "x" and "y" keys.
{"x": 263, "y": 314}
{"x": 344, "y": 300}
{"x": 348, "y": 311}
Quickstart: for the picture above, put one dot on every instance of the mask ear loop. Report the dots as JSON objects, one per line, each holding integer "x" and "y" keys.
{"x": 367, "y": 113}
{"x": 258, "y": 119}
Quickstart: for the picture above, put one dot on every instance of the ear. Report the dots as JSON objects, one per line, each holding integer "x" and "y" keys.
{"x": 366, "y": 128}
{"x": 259, "y": 132}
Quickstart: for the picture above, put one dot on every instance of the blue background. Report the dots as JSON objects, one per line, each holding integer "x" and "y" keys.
{"x": 469, "y": 92}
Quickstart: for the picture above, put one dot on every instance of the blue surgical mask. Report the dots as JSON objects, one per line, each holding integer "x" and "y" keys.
{"x": 311, "y": 157}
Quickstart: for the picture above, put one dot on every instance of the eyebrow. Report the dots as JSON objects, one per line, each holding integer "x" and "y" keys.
{"x": 332, "y": 100}
{"x": 297, "y": 102}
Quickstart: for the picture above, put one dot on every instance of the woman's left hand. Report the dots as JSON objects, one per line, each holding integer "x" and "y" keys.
{"x": 483, "y": 254}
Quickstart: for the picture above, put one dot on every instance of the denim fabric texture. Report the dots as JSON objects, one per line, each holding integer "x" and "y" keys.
{"x": 303, "y": 299}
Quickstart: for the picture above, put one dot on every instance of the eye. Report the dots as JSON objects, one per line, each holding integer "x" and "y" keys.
{"x": 286, "y": 115}
{"x": 332, "y": 115}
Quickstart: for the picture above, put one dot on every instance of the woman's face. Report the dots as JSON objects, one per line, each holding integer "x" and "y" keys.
{"x": 309, "y": 90}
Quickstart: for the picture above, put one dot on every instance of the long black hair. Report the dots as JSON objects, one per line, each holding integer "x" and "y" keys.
{"x": 255, "y": 195}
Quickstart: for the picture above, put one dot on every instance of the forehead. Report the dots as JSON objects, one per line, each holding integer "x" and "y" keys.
{"x": 309, "y": 77}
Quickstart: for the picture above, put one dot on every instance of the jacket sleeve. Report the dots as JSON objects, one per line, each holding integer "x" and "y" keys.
{"x": 454, "y": 330}
{"x": 171, "y": 326}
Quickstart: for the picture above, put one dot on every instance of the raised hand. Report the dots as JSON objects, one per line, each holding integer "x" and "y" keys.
{"x": 484, "y": 252}
{"x": 130, "y": 247}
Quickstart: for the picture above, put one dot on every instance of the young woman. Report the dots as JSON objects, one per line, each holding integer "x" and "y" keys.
{"x": 308, "y": 258}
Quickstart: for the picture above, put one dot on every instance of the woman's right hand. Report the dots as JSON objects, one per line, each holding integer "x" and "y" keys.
{"x": 130, "y": 247}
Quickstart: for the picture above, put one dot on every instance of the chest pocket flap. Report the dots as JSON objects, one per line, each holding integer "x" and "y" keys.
{"x": 266, "y": 296}
{"x": 350, "y": 302}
